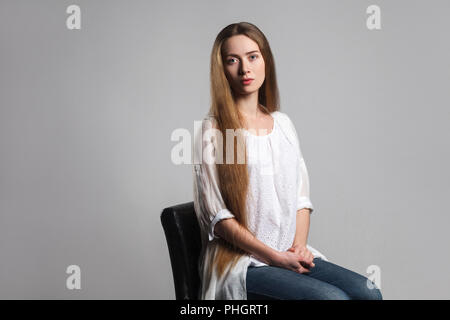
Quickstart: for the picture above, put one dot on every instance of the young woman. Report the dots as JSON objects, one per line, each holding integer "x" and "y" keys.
{"x": 251, "y": 187}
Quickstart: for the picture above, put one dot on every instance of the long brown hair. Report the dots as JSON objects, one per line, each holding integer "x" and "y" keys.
{"x": 233, "y": 178}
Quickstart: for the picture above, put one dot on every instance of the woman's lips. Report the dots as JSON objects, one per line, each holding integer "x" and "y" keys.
{"x": 246, "y": 81}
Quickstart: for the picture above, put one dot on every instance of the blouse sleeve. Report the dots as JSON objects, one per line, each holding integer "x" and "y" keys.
{"x": 208, "y": 202}
{"x": 303, "y": 196}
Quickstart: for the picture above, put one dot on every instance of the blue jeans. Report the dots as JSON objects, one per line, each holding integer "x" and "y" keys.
{"x": 325, "y": 281}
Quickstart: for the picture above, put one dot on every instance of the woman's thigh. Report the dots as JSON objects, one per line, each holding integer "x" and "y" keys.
{"x": 325, "y": 281}
{"x": 357, "y": 286}
{"x": 270, "y": 282}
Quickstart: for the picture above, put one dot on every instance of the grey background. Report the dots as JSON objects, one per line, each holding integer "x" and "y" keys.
{"x": 86, "y": 118}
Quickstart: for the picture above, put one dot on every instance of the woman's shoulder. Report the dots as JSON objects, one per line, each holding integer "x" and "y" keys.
{"x": 210, "y": 121}
{"x": 286, "y": 125}
{"x": 282, "y": 118}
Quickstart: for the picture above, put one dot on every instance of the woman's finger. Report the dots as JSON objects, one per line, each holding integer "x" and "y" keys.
{"x": 310, "y": 256}
{"x": 301, "y": 269}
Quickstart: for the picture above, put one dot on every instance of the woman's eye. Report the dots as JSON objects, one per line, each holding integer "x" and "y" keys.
{"x": 252, "y": 57}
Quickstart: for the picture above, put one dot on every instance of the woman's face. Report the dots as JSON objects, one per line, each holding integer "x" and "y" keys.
{"x": 242, "y": 60}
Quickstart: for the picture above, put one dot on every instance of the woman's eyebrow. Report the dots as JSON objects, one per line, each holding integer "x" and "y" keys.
{"x": 234, "y": 54}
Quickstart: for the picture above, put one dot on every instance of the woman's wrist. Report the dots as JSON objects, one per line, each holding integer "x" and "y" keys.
{"x": 273, "y": 257}
{"x": 299, "y": 244}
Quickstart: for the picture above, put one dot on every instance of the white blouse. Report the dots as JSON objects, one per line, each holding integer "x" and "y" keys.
{"x": 278, "y": 187}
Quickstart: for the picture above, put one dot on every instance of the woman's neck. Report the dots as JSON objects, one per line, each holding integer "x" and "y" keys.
{"x": 248, "y": 106}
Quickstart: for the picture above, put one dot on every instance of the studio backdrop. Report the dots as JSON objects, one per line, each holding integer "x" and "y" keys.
{"x": 92, "y": 91}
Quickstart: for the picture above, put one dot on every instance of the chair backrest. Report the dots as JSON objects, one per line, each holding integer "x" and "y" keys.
{"x": 184, "y": 243}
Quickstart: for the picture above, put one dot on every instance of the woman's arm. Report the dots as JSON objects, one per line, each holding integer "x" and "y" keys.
{"x": 302, "y": 227}
{"x": 304, "y": 205}
{"x": 231, "y": 231}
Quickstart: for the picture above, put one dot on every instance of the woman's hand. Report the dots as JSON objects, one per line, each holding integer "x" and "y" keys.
{"x": 290, "y": 260}
{"x": 306, "y": 256}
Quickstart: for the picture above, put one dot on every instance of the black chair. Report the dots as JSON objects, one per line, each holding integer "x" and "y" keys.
{"x": 184, "y": 242}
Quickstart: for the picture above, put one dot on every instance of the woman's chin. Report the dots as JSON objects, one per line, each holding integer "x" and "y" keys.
{"x": 248, "y": 89}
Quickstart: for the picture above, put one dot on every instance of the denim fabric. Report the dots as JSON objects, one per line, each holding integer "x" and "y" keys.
{"x": 325, "y": 281}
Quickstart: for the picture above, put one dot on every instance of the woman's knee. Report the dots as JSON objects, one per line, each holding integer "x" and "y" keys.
{"x": 329, "y": 292}
{"x": 366, "y": 290}
{"x": 335, "y": 294}
{"x": 373, "y": 293}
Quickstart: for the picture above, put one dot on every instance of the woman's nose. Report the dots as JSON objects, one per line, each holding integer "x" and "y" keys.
{"x": 244, "y": 68}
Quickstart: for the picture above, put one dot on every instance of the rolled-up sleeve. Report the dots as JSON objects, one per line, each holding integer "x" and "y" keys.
{"x": 303, "y": 195}
{"x": 209, "y": 204}
{"x": 303, "y": 200}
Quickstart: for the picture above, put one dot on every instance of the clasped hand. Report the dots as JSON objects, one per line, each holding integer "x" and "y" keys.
{"x": 297, "y": 258}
